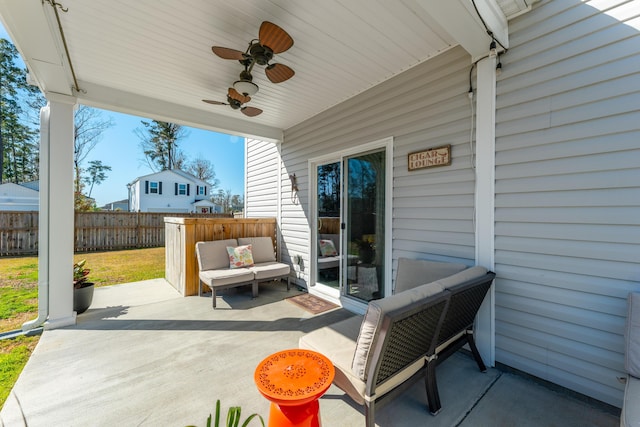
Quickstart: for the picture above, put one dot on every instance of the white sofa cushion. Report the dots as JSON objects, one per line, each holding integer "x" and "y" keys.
{"x": 213, "y": 254}
{"x": 227, "y": 276}
{"x": 261, "y": 248}
{"x": 416, "y": 272}
{"x": 373, "y": 321}
{"x": 267, "y": 270}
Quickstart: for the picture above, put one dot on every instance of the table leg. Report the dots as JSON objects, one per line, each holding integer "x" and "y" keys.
{"x": 305, "y": 415}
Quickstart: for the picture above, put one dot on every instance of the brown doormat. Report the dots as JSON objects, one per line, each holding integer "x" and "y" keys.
{"x": 311, "y": 303}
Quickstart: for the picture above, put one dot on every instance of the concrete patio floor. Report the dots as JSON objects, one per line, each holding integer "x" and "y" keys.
{"x": 144, "y": 356}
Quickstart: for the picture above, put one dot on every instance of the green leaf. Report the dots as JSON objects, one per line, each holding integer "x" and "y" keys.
{"x": 248, "y": 420}
{"x": 217, "y": 413}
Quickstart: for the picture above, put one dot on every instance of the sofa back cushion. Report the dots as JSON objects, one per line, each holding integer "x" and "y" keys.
{"x": 456, "y": 279}
{"x": 632, "y": 336}
{"x": 416, "y": 272}
{"x": 373, "y": 322}
{"x": 212, "y": 255}
{"x": 261, "y": 248}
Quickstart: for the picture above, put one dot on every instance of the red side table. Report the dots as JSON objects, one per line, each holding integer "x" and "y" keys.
{"x": 293, "y": 380}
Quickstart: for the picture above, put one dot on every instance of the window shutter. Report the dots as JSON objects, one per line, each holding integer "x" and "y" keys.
{"x": 188, "y": 189}
{"x": 197, "y": 190}
{"x": 205, "y": 190}
{"x": 176, "y": 186}
{"x": 160, "y": 187}
{"x": 146, "y": 187}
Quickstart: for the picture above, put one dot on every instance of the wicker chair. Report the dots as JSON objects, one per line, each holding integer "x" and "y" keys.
{"x": 379, "y": 355}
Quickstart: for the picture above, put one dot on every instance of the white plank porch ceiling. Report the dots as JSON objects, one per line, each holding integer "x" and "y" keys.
{"x": 161, "y": 49}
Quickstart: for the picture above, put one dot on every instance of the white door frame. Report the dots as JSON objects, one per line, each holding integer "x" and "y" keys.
{"x": 324, "y": 292}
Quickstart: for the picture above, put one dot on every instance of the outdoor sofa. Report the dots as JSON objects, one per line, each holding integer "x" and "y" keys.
{"x": 403, "y": 337}
{"x": 216, "y": 272}
{"x": 630, "y": 415}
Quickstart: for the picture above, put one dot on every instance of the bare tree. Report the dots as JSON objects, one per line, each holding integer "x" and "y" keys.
{"x": 203, "y": 169}
{"x": 89, "y": 127}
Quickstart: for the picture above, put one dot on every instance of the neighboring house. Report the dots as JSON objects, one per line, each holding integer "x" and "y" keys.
{"x": 550, "y": 201}
{"x": 34, "y": 185}
{"x": 18, "y": 197}
{"x": 170, "y": 191}
{"x": 122, "y": 205}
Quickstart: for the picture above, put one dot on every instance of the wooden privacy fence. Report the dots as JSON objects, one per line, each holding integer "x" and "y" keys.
{"x": 182, "y": 234}
{"x": 94, "y": 231}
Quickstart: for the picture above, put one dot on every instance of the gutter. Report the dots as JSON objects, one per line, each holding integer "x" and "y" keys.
{"x": 43, "y": 226}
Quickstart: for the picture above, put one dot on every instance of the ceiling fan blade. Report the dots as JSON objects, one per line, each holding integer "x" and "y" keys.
{"x": 227, "y": 53}
{"x": 234, "y": 94}
{"x": 209, "y": 101}
{"x": 274, "y": 37}
{"x": 278, "y": 73}
{"x": 251, "y": 111}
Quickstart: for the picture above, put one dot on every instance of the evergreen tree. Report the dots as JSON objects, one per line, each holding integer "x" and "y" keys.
{"x": 96, "y": 174}
{"x": 159, "y": 144}
{"x": 18, "y": 130}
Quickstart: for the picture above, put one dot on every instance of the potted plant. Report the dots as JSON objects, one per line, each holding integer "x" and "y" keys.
{"x": 82, "y": 288}
{"x": 233, "y": 417}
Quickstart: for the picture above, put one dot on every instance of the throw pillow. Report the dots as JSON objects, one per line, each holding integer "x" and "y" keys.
{"x": 240, "y": 256}
{"x": 327, "y": 248}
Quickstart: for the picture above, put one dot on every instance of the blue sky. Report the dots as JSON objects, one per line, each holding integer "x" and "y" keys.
{"x": 119, "y": 148}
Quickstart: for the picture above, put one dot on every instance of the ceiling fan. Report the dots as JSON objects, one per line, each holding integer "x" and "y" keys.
{"x": 271, "y": 40}
{"x": 236, "y": 100}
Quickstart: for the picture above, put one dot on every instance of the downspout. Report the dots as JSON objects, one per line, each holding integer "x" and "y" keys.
{"x": 43, "y": 225}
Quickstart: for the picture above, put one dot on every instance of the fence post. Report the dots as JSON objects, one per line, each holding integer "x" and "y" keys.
{"x": 138, "y": 237}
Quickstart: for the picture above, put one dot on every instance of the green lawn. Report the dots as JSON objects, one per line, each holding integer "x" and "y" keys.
{"x": 19, "y": 297}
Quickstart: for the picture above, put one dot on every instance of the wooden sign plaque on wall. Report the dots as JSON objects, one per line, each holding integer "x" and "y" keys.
{"x": 440, "y": 156}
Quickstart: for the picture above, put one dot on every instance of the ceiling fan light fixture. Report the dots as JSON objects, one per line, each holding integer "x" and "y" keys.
{"x": 245, "y": 87}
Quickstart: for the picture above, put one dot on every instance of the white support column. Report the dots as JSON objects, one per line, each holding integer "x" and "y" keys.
{"x": 485, "y": 199}
{"x": 56, "y": 189}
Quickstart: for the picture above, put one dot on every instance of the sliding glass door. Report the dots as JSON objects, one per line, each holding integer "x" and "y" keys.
{"x": 349, "y": 240}
{"x": 328, "y": 237}
{"x": 364, "y": 225}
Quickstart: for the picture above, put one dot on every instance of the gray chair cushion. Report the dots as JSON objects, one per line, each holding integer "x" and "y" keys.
{"x": 261, "y": 248}
{"x": 416, "y": 272}
{"x": 630, "y": 415}
{"x": 373, "y": 321}
{"x": 338, "y": 343}
{"x": 632, "y": 335}
{"x": 213, "y": 254}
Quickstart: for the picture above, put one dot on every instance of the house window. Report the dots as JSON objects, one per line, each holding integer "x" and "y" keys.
{"x": 182, "y": 189}
{"x": 201, "y": 191}
{"x": 153, "y": 187}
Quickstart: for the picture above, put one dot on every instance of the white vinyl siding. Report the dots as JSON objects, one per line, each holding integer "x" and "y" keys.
{"x": 424, "y": 107}
{"x": 567, "y": 217}
{"x": 263, "y": 164}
